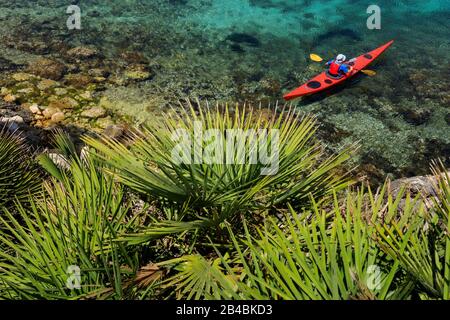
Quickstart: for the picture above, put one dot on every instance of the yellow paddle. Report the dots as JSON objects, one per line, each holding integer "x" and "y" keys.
{"x": 317, "y": 58}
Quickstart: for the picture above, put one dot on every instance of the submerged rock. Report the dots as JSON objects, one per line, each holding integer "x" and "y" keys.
{"x": 60, "y": 91}
{"x": 104, "y": 122}
{"x": 50, "y": 111}
{"x": 58, "y": 117}
{"x": 16, "y": 119}
{"x": 244, "y": 38}
{"x": 339, "y": 33}
{"x": 417, "y": 116}
{"x": 26, "y": 91}
{"x": 133, "y": 57}
{"x": 11, "y": 122}
{"x": 64, "y": 103}
{"x": 78, "y": 80}
{"x": 270, "y": 86}
{"x": 236, "y": 48}
{"x": 5, "y": 91}
{"x": 82, "y": 52}
{"x": 10, "y": 98}
{"x": 34, "y": 108}
{"x": 137, "y": 73}
{"x": 46, "y": 84}
{"x": 114, "y": 131}
{"x": 87, "y": 95}
{"x": 22, "y": 76}
{"x": 47, "y": 68}
{"x": 98, "y": 73}
{"x": 94, "y": 113}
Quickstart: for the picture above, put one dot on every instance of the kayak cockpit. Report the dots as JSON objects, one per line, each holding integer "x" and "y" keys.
{"x": 329, "y": 75}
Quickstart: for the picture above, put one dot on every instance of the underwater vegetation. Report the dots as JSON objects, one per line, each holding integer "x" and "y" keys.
{"x": 19, "y": 175}
{"x": 244, "y": 39}
{"x": 239, "y": 40}
{"x": 134, "y": 59}
{"x": 345, "y": 33}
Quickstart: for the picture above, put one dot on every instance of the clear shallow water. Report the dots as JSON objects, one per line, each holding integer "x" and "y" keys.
{"x": 255, "y": 50}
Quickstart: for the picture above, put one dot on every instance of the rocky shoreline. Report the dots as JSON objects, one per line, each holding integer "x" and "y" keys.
{"x": 57, "y": 93}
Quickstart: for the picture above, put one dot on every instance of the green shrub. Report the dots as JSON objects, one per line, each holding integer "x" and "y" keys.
{"x": 19, "y": 175}
{"x": 328, "y": 252}
{"x": 202, "y": 196}
{"x": 421, "y": 243}
{"x": 369, "y": 246}
{"x": 73, "y": 225}
{"x": 230, "y": 233}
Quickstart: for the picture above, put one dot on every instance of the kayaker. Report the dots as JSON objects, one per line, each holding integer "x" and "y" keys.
{"x": 338, "y": 67}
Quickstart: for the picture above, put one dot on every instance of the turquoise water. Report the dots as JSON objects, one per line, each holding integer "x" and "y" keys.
{"x": 254, "y": 51}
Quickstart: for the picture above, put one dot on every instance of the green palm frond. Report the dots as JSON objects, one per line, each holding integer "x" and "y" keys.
{"x": 19, "y": 175}
{"x": 73, "y": 226}
{"x": 421, "y": 242}
{"x": 220, "y": 191}
{"x": 322, "y": 257}
{"x": 442, "y": 209}
{"x": 441, "y": 188}
{"x": 200, "y": 278}
{"x": 320, "y": 254}
{"x": 67, "y": 152}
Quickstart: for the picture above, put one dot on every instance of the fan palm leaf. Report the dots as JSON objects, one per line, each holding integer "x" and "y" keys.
{"x": 421, "y": 242}
{"x": 19, "y": 175}
{"x": 218, "y": 191}
{"x": 73, "y": 227}
{"x": 319, "y": 254}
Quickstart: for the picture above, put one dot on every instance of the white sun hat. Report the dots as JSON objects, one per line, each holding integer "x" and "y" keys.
{"x": 341, "y": 58}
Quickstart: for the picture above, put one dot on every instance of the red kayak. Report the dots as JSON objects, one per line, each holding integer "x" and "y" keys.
{"x": 324, "y": 80}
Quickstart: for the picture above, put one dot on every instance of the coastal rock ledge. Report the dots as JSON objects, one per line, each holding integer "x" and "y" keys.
{"x": 423, "y": 185}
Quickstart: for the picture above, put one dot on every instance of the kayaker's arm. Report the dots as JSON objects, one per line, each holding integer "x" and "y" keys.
{"x": 344, "y": 68}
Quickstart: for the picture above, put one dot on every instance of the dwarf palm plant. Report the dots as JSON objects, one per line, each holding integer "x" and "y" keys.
{"x": 62, "y": 245}
{"x": 321, "y": 254}
{"x": 206, "y": 182}
{"x": 19, "y": 176}
{"x": 421, "y": 242}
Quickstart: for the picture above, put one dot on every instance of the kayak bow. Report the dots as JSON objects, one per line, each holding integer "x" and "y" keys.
{"x": 324, "y": 80}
